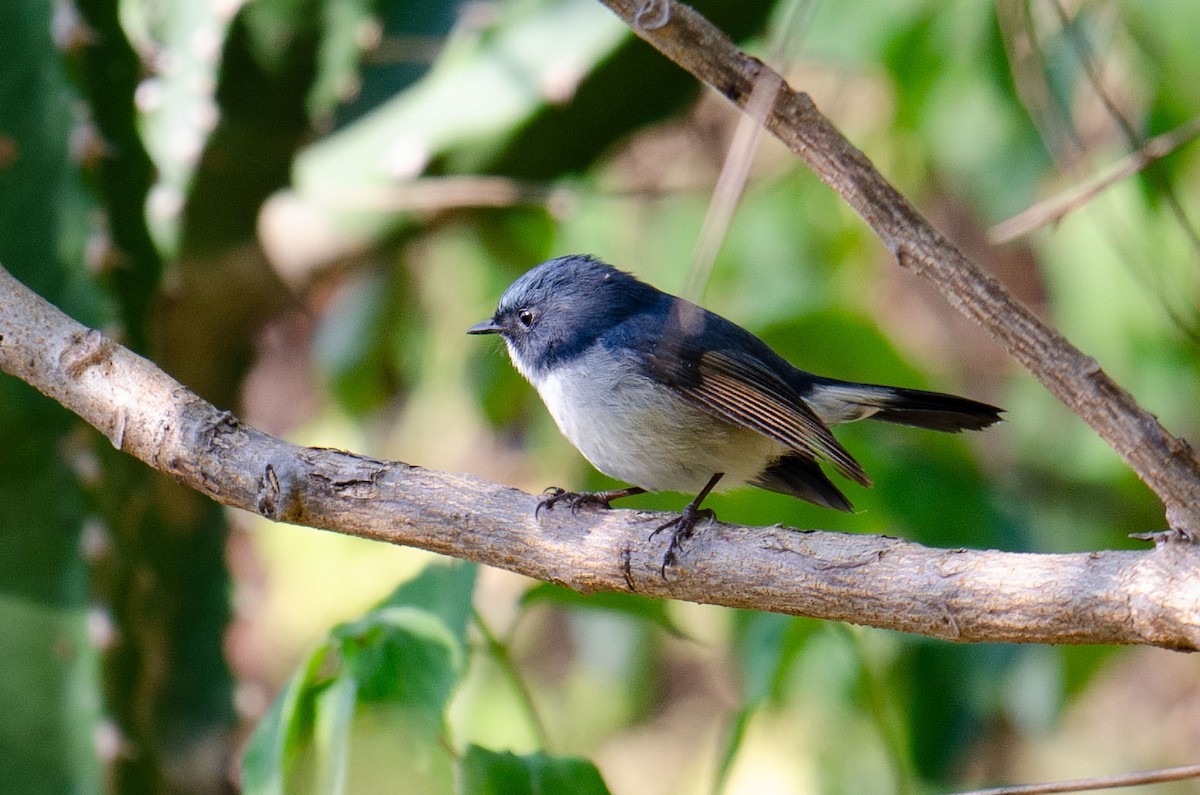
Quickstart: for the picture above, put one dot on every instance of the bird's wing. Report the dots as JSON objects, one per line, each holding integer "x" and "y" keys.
{"x": 742, "y": 390}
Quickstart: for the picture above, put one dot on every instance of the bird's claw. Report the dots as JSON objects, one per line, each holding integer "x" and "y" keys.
{"x": 684, "y": 527}
{"x": 554, "y": 495}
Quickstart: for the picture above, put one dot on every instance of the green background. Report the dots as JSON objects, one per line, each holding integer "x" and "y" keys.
{"x": 296, "y": 208}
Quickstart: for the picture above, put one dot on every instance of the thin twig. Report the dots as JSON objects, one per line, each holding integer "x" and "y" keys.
{"x": 1055, "y": 208}
{"x": 731, "y": 182}
{"x": 1132, "y": 138}
{"x": 1051, "y": 115}
{"x": 500, "y": 654}
{"x": 1099, "y": 782}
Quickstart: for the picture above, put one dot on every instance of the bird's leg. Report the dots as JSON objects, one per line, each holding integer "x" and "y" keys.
{"x": 685, "y": 524}
{"x": 554, "y": 495}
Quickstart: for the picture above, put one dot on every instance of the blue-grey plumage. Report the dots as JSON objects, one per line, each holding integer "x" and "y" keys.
{"x": 665, "y": 395}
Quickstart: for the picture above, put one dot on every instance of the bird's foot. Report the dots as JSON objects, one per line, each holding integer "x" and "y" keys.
{"x": 682, "y": 527}
{"x": 554, "y": 495}
{"x": 578, "y": 499}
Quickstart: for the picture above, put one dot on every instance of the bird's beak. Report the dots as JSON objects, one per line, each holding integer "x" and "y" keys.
{"x": 489, "y": 326}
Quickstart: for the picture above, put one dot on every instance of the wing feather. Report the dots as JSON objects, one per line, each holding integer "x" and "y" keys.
{"x": 747, "y": 393}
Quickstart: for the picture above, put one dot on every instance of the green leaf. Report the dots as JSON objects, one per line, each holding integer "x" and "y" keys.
{"x": 385, "y": 678}
{"x": 402, "y": 655}
{"x": 766, "y": 644}
{"x": 484, "y": 772}
{"x": 335, "y": 715}
{"x": 282, "y": 733}
{"x": 443, "y": 589}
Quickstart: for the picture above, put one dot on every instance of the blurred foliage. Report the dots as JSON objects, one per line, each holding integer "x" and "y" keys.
{"x": 398, "y": 665}
{"x": 296, "y": 207}
{"x": 48, "y": 648}
{"x": 382, "y": 682}
{"x": 490, "y": 772}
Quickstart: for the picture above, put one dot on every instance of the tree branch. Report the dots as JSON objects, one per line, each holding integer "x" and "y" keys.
{"x": 1147, "y": 597}
{"x": 1164, "y": 462}
{"x": 1055, "y": 208}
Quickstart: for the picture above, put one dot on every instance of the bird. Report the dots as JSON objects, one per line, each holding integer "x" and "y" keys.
{"x": 665, "y": 395}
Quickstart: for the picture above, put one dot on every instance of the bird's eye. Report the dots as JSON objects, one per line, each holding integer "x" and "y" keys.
{"x": 525, "y": 318}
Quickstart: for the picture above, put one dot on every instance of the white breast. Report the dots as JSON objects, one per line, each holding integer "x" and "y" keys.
{"x": 640, "y": 432}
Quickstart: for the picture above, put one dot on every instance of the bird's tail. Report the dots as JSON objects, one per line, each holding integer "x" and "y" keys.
{"x": 843, "y": 401}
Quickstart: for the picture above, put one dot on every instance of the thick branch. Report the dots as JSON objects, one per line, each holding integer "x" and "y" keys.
{"x": 1148, "y": 597}
{"x": 1164, "y": 462}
